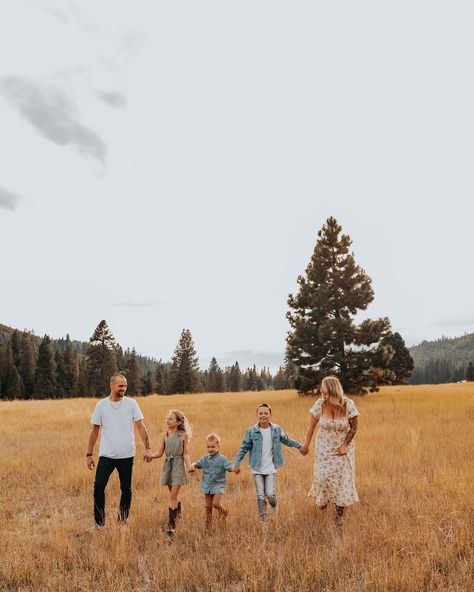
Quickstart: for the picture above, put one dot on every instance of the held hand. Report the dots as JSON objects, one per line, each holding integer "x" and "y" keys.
{"x": 236, "y": 470}
{"x": 304, "y": 450}
{"x": 342, "y": 450}
{"x": 191, "y": 469}
{"x": 90, "y": 462}
{"x": 147, "y": 455}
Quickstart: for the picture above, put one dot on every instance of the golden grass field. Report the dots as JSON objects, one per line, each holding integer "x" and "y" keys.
{"x": 412, "y": 531}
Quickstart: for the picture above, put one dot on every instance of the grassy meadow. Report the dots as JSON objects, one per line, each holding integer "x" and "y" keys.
{"x": 413, "y": 530}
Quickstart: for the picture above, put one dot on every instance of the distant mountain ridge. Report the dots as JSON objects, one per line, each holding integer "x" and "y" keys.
{"x": 442, "y": 360}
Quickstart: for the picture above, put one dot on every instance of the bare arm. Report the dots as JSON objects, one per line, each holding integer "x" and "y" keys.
{"x": 141, "y": 427}
{"x": 187, "y": 458}
{"x": 90, "y": 449}
{"x": 313, "y": 422}
{"x": 353, "y": 424}
{"x": 161, "y": 449}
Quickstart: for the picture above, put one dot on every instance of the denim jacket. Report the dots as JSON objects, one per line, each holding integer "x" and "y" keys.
{"x": 252, "y": 442}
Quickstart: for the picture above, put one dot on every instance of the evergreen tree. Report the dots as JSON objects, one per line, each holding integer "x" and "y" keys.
{"x": 120, "y": 359}
{"x": 470, "y": 372}
{"x": 14, "y": 389}
{"x": 148, "y": 383}
{"x": 6, "y": 365}
{"x": 235, "y": 379}
{"x": 162, "y": 379}
{"x": 15, "y": 343}
{"x": 185, "y": 366}
{"x": 401, "y": 363}
{"x": 45, "y": 374}
{"x": 82, "y": 389}
{"x": 101, "y": 360}
{"x": 280, "y": 381}
{"x": 323, "y": 338}
{"x": 27, "y": 364}
{"x": 214, "y": 378}
{"x": 133, "y": 373}
{"x": 220, "y": 381}
{"x": 58, "y": 360}
{"x": 251, "y": 379}
{"x": 69, "y": 375}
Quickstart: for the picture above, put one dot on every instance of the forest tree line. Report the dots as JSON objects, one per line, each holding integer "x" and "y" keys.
{"x": 34, "y": 368}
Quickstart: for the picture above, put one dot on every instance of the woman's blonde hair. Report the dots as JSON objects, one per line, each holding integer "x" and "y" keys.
{"x": 334, "y": 390}
{"x": 183, "y": 423}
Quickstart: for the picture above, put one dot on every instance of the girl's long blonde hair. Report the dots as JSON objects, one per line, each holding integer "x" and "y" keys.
{"x": 183, "y": 422}
{"x": 334, "y": 390}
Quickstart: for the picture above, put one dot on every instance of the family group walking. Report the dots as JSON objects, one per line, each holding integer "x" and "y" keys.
{"x": 334, "y": 466}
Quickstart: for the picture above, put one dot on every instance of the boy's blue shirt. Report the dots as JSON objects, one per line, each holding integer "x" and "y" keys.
{"x": 252, "y": 443}
{"x": 213, "y": 474}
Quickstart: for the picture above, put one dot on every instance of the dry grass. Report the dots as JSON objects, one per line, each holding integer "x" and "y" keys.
{"x": 412, "y": 531}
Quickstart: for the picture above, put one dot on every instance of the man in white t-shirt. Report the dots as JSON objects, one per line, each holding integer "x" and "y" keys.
{"x": 116, "y": 415}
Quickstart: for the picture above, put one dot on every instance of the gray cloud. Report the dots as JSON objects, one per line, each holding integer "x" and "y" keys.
{"x": 53, "y": 114}
{"x": 8, "y": 200}
{"x": 143, "y": 304}
{"x": 113, "y": 99}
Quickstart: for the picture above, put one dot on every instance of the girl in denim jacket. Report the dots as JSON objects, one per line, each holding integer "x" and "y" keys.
{"x": 263, "y": 441}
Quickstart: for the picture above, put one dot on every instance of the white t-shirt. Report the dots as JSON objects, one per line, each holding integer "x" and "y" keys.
{"x": 116, "y": 420}
{"x": 266, "y": 464}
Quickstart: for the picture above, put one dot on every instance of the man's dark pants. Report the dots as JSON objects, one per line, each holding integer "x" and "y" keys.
{"x": 105, "y": 468}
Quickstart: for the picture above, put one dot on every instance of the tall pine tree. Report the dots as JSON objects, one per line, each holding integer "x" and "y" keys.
{"x": 101, "y": 361}
{"x": 214, "y": 382}
{"x": 324, "y": 338}
{"x": 235, "y": 380}
{"x": 27, "y": 364}
{"x": 185, "y": 366}
{"x": 133, "y": 373}
{"x": 14, "y": 388}
{"x": 45, "y": 374}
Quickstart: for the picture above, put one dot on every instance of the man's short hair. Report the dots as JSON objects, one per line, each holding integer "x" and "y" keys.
{"x": 115, "y": 377}
{"x": 265, "y": 405}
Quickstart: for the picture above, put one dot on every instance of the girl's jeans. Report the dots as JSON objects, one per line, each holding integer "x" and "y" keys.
{"x": 265, "y": 487}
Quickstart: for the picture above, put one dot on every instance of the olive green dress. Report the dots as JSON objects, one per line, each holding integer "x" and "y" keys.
{"x": 174, "y": 472}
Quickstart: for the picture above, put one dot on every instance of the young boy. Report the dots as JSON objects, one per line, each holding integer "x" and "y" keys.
{"x": 263, "y": 440}
{"x": 214, "y": 466}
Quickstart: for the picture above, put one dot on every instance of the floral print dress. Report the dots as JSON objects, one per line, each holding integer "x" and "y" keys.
{"x": 334, "y": 475}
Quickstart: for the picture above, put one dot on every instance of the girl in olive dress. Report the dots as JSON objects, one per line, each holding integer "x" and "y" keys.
{"x": 174, "y": 445}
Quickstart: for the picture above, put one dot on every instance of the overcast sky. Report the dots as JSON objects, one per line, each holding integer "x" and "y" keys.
{"x": 168, "y": 165}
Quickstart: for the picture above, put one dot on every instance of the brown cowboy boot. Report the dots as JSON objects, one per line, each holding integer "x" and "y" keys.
{"x": 172, "y": 513}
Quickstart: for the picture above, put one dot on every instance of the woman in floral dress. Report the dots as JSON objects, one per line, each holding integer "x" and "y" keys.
{"x": 334, "y": 466}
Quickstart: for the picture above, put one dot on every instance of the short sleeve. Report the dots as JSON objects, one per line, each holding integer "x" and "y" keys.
{"x": 316, "y": 409}
{"x": 199, "y": 464}
{"x": 351, "y": 409}
{"x": 136, "y": 412}
{"x": 228, "y": 466}
{"x": 96, "y": 418}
